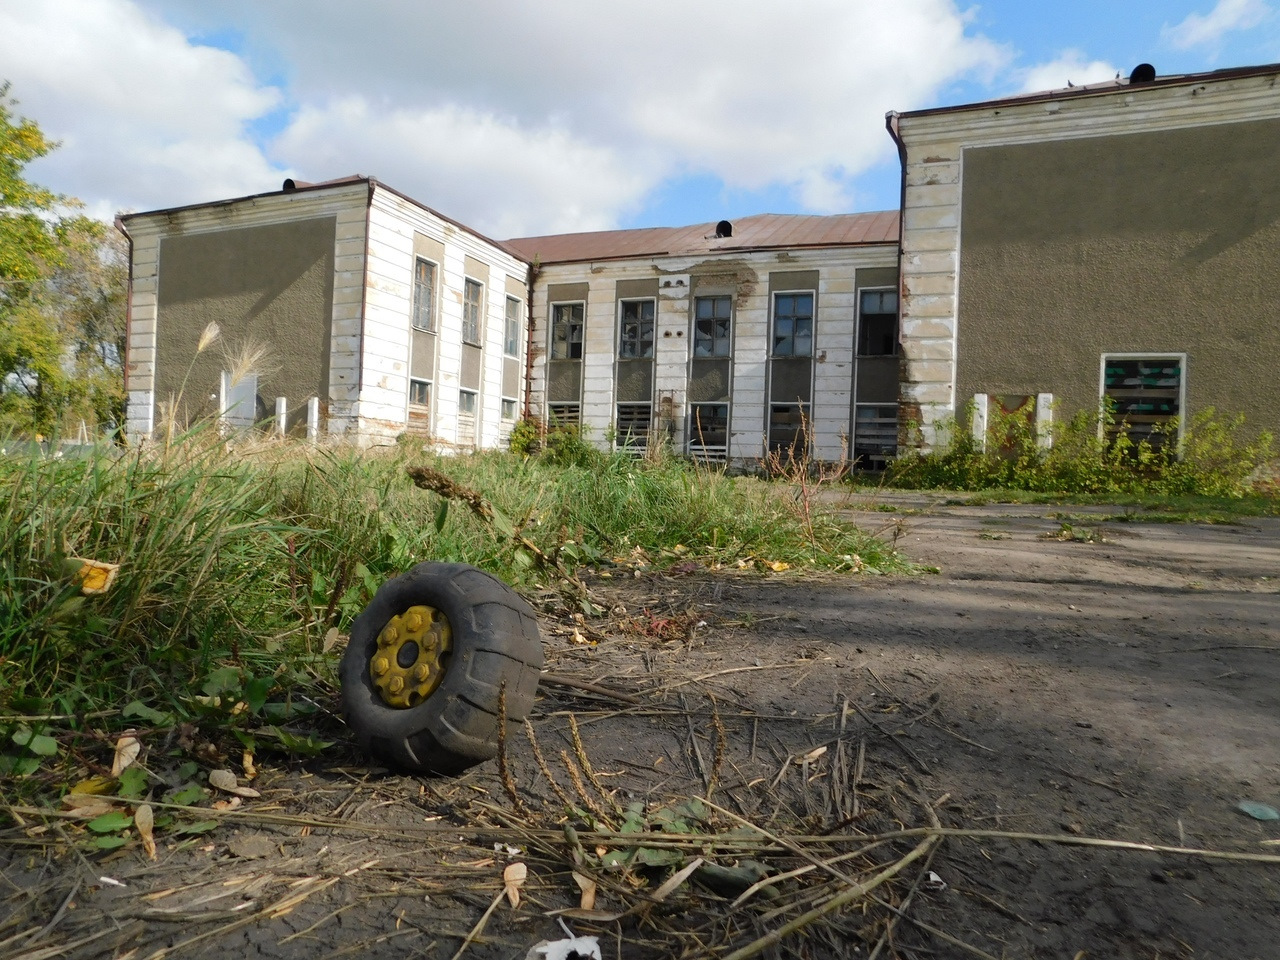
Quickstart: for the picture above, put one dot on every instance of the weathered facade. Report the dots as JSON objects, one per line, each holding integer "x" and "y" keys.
{"x": 377, "y": 316}
{"x": 724, "y": 340}
{"x": 1118, "y": 242}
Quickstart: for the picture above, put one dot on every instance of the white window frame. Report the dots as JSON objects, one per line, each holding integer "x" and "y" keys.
{"x": 511, "y": 328}
{"x": 515, "y": 408}
{"x": 472, "y": 313}
{"x": 773, "y": 324}
{"x": 551, "y": 330}
{"x": 638, "y": 341}
{"x": 425, "y": 382}
{"x": 430, "y": 326}
{"x": 1146, "y": 355}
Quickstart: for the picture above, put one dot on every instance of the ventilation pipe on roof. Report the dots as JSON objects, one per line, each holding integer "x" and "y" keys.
{"x": 1142, "y": 73}
{"x": 724, "y": 229}
{"x": 291, "y": 184}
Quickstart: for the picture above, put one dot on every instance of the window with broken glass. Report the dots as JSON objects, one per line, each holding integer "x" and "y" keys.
{"x": 793, "y": 324}
{"x": 712, "y": 326}
{"x": 878, "y": 323}
{"x": 635, "y": 340}
{"x": 566, "y": 331}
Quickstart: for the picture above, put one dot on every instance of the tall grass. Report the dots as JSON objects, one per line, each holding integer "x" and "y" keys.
{"x": 247, "y": 559}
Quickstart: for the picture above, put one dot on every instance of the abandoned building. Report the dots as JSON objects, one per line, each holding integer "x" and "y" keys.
{"x": 1114, "y": 242}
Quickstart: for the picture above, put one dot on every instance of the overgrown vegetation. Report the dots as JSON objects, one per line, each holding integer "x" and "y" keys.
{"x": 1215, "y": 456}
{"x": 236, "y": 568}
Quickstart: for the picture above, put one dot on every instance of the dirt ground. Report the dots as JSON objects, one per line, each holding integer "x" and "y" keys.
{"x": 1047, "y": 688}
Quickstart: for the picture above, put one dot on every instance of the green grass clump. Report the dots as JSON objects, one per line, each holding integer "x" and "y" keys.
{"x": 234, "y": 565}
{"x": 1212, "y": 458}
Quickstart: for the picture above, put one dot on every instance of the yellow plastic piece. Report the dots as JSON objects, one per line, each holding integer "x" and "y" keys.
{"x": 425, "y": 628}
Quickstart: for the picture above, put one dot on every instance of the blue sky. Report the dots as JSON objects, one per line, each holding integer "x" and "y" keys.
{"x": 521, "y": 119}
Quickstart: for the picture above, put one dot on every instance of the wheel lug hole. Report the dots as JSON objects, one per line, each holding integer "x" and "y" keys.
{"x": 407, "y": 655}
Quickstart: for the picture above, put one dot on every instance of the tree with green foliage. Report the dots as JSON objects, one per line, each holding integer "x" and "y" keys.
{"x": 63, "y": 279}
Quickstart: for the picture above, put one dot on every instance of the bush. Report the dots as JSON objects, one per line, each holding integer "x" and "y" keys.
{"x": 1212, "y": 458}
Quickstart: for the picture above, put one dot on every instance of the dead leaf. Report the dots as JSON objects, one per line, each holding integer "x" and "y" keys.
{"x": 227, "y": 804}
{"x": 93, "y": 576}
{"x": 246, "y": 761}
{"x": 811, "y": 756}
{"x": 588, "y": 888}
{"x": 86, "y": 806}
{"x": 144, "y": 822}
{"x": 513, "y": 879}
{"x": 127, "y": 750}
{"x": 92, "y": 785}
{"x": 673, "y": 881}
{"x": 225, "y": 781}
{"x": 777, "y": 566}
{"x": 330, "y": 639}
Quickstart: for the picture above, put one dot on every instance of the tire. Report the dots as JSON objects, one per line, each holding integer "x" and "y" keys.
{"x": 494, "y": 638}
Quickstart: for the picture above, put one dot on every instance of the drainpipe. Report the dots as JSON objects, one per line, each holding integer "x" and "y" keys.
{"x": 891, "y": 124}
{"x": 128, "y": 327}
{"x": 534, "y": 270}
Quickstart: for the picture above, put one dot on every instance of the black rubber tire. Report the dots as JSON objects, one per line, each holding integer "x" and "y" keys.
{"x": 495, "y": 638}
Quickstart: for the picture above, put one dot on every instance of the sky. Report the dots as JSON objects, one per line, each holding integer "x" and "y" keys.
{"x": 521, "y": 118}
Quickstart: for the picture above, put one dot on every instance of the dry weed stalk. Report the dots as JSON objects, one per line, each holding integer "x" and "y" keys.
{"x": 542, "y": 765}
{"x": 722, "y": 745}
{"x": 585, "y": 761}
{"x": 575, "y": 777}
{"x": 504, "y": 767}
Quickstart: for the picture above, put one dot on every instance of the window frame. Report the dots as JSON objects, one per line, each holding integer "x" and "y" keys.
{"x": 474, "y": 395}
{"x": 554, "y": 324}
{"x": 1181, "y": 359}
{"x": 472, "y": 311}
{"x": 861, "y": 331}
{"x": 416, "y": 301}
{"x": 511, "y": 328}
{"x": 713, "y": 339}
{"x": 773, "y": 323}
{"x": 423, "y": 382}
{"x": 633, "y": 441}
{"x": 637, "y": 340}
{"x": 514, "y": 406}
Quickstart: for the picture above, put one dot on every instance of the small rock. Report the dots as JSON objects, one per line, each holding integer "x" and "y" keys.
{"x": 253, "y": 847}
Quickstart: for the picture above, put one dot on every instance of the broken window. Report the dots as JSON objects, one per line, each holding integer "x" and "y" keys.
{"x": 1143, "y": 394}
{"x": 712, "y": 319}
{"x": 788, "y": 429}
{"x": 793, "y": 324}
{"x": 424, "y": 295}
{"x": 632, "y": 426}
{"x": 709, "y": 431}
{"x": 566, "y": 331}
{"x": 420, "y": 392}
{"x": 473, "y": 296}
{"x": 875, "y": 434}
{"x": 878, "y": 323}
{"x": 635, "y": 339}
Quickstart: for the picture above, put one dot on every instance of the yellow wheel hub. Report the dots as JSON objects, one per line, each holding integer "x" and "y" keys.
{"x": 412, "y": 656}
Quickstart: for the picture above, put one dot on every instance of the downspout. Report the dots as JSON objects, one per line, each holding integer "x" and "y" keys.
{"x": 891, "y": 124}
{"x": 534, "y": 270}
{"x": 122, "y": 434}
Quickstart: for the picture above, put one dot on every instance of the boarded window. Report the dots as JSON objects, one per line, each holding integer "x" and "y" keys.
{"x": 564, "y": 415}
{"x": 473, "y": 297}
{"x": 793, "y": 324}
{"x": 632, "y": 426}
{"x": 875, "y": 434}
{"x": 566, "y": 331}
{"x": 788, "y": 429}
{"x": 1143, "y": 395}
{"x": 635, "y": 340}
{"x": 878, "y": 323}
{"x": 708, "y": 431}
{"x": 712, "y": 320}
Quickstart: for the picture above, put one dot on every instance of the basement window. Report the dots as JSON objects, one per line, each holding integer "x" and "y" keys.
{"x": 632, "y": 426}
{"x": 420, "y": 392}
{"x": 1144, "y": 394}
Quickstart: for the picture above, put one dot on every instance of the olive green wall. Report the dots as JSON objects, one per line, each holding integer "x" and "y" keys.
{"x": 270, "y": 285}
{"x": 1151, "y": 242}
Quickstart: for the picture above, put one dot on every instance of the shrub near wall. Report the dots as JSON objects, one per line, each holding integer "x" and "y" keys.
{"x": 1215, "y": 456}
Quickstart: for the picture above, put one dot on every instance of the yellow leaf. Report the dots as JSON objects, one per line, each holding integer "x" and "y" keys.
{"x": 246, "y": 761}
{"x": 144, "y": 823}
{"x": 127, "y": 750}
{"x": 94, "y": 576}
{"x": 94, "y": 785}
{"x": 778, "y": 565}
{"x": 513, "y": 879}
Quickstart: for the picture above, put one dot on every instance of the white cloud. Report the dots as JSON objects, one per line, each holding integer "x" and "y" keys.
{"x": 143, "y": 116}
{"x": 1209, "y": 29}
{"x": 510, "y": 116}
{"x": 1071, "y": 67}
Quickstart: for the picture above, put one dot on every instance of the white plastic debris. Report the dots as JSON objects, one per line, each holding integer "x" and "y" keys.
{"x": 581, "y": 948}
{"x": 933, "y": 883}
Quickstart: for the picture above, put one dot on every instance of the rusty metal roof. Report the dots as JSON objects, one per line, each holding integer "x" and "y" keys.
{"x": 766, "y": 231}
